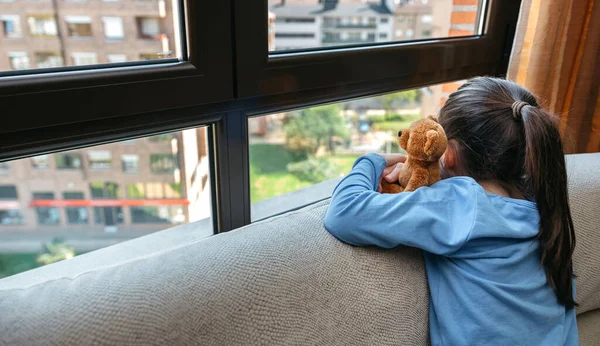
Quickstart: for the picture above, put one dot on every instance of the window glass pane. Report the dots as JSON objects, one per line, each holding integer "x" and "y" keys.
{"x": 45, "y": 34}
{"x": 301, "y": 24}
{"x": 298, "y": 157}
{"x": 77, "y": 201}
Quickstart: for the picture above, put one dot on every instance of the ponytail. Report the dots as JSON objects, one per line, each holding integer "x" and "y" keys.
{"x": 546, "y": 180}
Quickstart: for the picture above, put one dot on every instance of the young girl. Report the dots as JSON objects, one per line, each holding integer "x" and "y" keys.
{"x": 497, "y": 230}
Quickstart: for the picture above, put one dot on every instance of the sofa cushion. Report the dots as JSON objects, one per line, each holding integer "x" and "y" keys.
{"x": 589, "y": 328}
{"x": 281, "y": 281}
{"x": 584, "y": 193}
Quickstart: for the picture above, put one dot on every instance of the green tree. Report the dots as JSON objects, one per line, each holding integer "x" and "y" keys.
{"x": 388, "y": 100}
{"x": 55, "y": 251}
{"x": 308, "y": 130}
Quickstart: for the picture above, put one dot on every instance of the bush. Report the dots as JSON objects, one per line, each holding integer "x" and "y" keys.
{"x": 313, "y": 170}
{"x": 377, "y": 118}
{"x": 394, "y": 117}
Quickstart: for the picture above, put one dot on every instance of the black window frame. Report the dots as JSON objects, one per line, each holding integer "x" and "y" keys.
{"x": 234, "y": 79}
{"x": 260, "y": 72}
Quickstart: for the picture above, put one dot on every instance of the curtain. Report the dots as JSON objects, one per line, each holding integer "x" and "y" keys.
{"x": 555, "y": 55}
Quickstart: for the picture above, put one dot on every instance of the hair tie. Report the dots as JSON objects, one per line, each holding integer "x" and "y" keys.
{"x": 516, "y": 109}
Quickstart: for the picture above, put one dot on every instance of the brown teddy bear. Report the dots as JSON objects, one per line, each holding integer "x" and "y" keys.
{"x": 425, "y": 142}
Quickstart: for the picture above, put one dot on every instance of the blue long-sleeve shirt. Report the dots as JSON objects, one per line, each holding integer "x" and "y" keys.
{"x": 481, "y": 255}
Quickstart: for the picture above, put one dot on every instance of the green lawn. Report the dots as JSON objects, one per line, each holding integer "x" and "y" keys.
{"x": 269, "y": 176}
{"x": 11, "y": 264}
{"x": 396, "y": 125}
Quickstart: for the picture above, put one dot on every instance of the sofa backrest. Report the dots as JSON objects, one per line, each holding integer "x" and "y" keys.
{"x": 281, "y": 281}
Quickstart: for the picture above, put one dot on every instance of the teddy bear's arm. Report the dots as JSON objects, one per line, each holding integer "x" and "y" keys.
{"x": 419, "y": 177}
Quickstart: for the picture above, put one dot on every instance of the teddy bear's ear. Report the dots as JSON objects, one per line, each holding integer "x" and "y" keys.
{"x": 431, "y": 144}
{"x": 403, "y": 139}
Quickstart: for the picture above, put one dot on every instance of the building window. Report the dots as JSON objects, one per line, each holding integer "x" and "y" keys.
{"x": 383, "y": 35}
{"x": 100, "y": 159}
{"x": 116, "y": 58}
{"x": 108, "y": 216}
{"x": 4, "y": 167}
{"x": 11, "y": 25}
{"x": 383, "y": 20}
{"x": 42, "y": 25}
{"x": 399, "y": 33}
{"x": 410, "y": 33}
{"x": 427, "y": 18}
{"x": 48, "y": 60}
{"x": 295, "y": 35}
{"x": 76, "y": 215}
{"x": 148, "y": 27}
{"x": 426, "y": 33}
{"x": 84, "y": 59}
{"x": 294, "y": 20}
{"x": 11, "y": 217}
{"x": 18, "y": 60}
{"x": 113, "y": 28}
{"x": 173, "y": 190}
{"x": 163, "y": 214}
{"x": 8, "y": 192}
{"x": 163, "y": 163}
{"x": 136, "y": 191}
{"x": 79, "y": 26}
{"x": 46, "y": 215}
{"x": 68, "y": 161}
{"x": 131, "y": 163}
{"x": 104, "y": 190}
{"x": 40, "y": 162}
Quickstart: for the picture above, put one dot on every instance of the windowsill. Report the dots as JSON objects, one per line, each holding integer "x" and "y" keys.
{"x": 292, "y": 200}
{"x": 82, "y": 38}
{"x": 115, "y": 40}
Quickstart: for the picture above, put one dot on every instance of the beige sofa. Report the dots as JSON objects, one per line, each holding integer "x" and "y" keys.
{"x": 281, "y": 281}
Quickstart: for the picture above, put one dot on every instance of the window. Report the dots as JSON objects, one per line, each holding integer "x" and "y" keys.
{"x": 8, "y": 192}
{"x": 113, "y": 28}
{"x": 68, "y": 161}
{"x": 148, "y": 28}
{"x": 351, "y": 14}
{"x": 100, "y": 159}
{"x": 309, "y": 150}
{"x": 295, "y": 35}
{"x": 426, "y": 33}
{"x": 46, "y": 215}
{"x": 136, "y": 190}
{"x": 84, "y": 58}
{"x": 79, "y": 26}
{"x": 18, "y": 60}
{"x": 116, "y": 58}
{"x": 4, "y": 167}
{"x": 48, "y": 60}
{"x": 11, "y": 25}
{"x": 76, "y": 215}
{"x": 11, "y": 217}
{"x": 131, "y": 163}
{"x": 107, "y": 190}
{"x": 163, "y": 163}
{"x": 154, "y": 191}
{"x": 61, "y": 32}
{"x": 42, "y": 25}
{"x": 40, "y": 162}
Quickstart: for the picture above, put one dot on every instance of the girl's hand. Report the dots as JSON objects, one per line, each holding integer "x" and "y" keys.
{"x": 391, "y": 173}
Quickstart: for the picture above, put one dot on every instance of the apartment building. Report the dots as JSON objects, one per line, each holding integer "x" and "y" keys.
{"x": 323, "y": 23}
{"x": 46, "y": 34}
{"x": 139, "y": 184}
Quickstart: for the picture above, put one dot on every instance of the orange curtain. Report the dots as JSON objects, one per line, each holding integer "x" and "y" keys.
{"x": 555, "y": 55}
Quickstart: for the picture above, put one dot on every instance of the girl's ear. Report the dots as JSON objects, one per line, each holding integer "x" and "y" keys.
{"x": 449, "y": 158}
{"x": 403, "y": 139}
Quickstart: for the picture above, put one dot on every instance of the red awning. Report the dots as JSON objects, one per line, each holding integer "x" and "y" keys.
{"x": 107, "y": 202}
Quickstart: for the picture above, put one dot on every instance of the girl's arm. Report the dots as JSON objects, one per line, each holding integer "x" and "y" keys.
{"x": 437, "y": 219}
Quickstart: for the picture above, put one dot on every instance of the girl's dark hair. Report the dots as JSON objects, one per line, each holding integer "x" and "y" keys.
{"x": 504, "y": 135}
